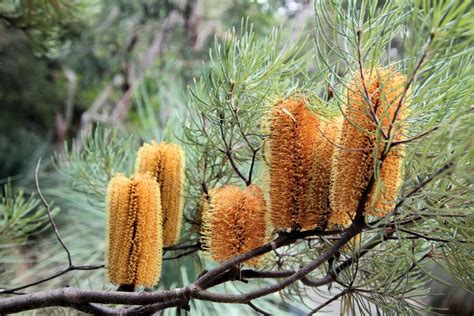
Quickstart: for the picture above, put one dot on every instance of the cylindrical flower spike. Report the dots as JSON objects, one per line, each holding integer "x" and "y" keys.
{"x": 166, "y": 163}
{"x": 357, "y": 145}
{"x": 234, "y": 222}
{"x": 382, "y": 201}
{"x": 320, "y": 175}
{"x": 134, "y": 251}
{"x": 293, "y": 135}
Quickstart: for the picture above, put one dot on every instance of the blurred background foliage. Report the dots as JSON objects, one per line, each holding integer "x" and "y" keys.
{"x": 85, "y": 82}
{"x": 66, "y": 64}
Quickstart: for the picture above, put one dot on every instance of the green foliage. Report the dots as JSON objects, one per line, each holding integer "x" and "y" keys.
{"x": 20, "y": 216}
{"x": 228, "y": 102}
{"x": 89, "y": 168}
{"x": 158, "y": 102}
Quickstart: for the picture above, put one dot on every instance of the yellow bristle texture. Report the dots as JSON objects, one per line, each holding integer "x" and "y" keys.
{"x": 134, "y": 249}
{"x": 234, "y": 222}
{"x": 166, "y": 163}
{"x": 293, "y": 133}
{"x": 320, "y": 175}
{"x": 353, "y": 161}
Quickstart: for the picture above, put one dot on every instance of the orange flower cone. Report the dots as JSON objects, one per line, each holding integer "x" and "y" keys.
{"x": 320, "y": 175}
{"x": 353, "y": 162}
{"x": 233, "y": 223}
{"x": 293, "y": 135}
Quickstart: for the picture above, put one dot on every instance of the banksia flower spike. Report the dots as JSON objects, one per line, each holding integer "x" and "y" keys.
{"x": 382, "y": 201}
{"x": 320, "y": 175}
{"x": 134, "y": 251}
{"x": 293, "y": 134}
{"x": 165, "y": 162}
{"x": 234, "y": 222}
{"x": 353, "y": 161}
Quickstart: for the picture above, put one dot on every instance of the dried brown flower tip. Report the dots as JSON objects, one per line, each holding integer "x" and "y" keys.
{"x": 234, "y": 222}
{"x": 134, "y": 249}
{"x": 166, "y": 163}
{"x": 353, "y": 161}
{"x": 293, "y": 134}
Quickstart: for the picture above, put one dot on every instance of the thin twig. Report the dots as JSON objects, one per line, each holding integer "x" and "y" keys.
{"x": 258, "y": 310}
{"x": 372, "y": 109}
{"x": 51, "y": 221}
{"x": 413, "y": 191}
{"x": 420, "y": 235}
{"x": 334, "y": 298}
{"x": 317, "y": 282}
{"x": 228, "y": 149}
{"x": 367, "y": 149}
{"x": 415, "y": 263}
{"x": 242, "y": 132}
{"x": 416, "y": 137}
{"x": 51, "y": 277}
{"x": 409, "y": 83}
{"x": 183, "y": 246}
{"x": 184, "y": 254}
{"x": 252, "y": 164}
{"x": 422, "y": 184}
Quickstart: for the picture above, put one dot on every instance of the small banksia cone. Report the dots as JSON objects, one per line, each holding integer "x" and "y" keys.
{"x": 293, "y": 134}
{"x": 353, "y": 161}
{"x": 234, "y": 222}
{"x": 166, "y": 162}
{"x": 134, "y": 230}
{"x": 320, "y": 175}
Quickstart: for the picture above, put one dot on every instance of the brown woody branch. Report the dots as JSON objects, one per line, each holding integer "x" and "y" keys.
{"x": 73, "y": 297}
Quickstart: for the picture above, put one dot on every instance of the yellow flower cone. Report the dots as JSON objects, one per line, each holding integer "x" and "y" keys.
{"x": 134, "y": 252}
{"x": 166, "y": 163}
